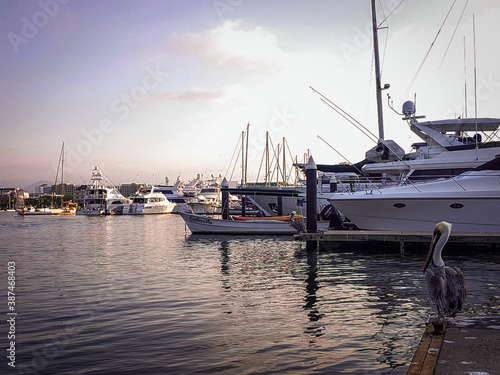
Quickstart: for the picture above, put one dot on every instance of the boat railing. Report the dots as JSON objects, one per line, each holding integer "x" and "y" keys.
{"x": 96, "y": 196}
{"x": 364, "y": 183}
{"x": 360, "y": 183}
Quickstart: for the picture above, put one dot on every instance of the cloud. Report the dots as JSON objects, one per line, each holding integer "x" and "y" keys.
{"x": 194, "y": 94}
{"x": 230, "y": 47}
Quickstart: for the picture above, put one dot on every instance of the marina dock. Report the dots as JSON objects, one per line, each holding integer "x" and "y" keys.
{"x": 468, "y": 346}
{"x": 337, "y": 238}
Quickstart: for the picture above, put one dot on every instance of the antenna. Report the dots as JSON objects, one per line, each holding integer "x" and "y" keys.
{"x": 475, "y": 75}
{"x": 465, "y": 80}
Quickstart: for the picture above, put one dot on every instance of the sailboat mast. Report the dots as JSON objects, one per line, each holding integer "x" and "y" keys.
{"x": 268, "y": 167}
{"x": 242, "y": 158}
{"x": 246, "y": 155}
{"x": 62, "y": 173}
{"x": 377, "y": 73}
{"x": 284, "y": 161}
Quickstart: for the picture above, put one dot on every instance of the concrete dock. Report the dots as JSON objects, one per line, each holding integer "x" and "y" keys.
{"x": 468, "y": 346}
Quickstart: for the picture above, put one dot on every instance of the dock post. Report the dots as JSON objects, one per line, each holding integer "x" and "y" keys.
{"x": 225, "y": 199}
{"x": 280, "y": 205}
{"x": 243, "y": 205}
{"x": 312, "y": 196}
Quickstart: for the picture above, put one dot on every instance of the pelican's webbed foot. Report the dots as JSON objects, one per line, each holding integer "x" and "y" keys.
{"x": 438, "y": 324}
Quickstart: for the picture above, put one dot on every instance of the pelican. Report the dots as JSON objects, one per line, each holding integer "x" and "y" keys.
{"x": 296, "y": 224}
{"x": 447, "y": 287}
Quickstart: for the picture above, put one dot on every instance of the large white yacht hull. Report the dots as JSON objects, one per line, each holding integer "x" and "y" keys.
{"x": 471, "y": 202}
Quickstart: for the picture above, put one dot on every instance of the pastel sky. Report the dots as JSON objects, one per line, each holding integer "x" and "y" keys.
{"x": 153, "y": 88}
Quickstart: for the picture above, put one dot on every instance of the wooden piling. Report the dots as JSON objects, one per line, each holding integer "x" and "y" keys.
{"x": 312, "y": 196}
{"x": 225, "y": 199}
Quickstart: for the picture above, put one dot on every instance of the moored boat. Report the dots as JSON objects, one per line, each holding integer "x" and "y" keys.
{"x": 148, "y": 201}
{"x": 209, "y": 225}
{"x": 19, "y": 205}
{"x": 470, "y": 201}
{"x": 101, "y": 197}
{"x": 40, "y": 211}
{"x": 278, "y": 218}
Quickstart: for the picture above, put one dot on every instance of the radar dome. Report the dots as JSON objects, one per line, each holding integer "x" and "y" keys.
{"x": 408, "y": 108}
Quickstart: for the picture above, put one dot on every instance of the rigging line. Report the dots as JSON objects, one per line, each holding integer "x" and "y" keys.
{"x": 272, "y": 167}
{"x": 232, "y": 157}
{"x": 428, "y": 51}
{"x": 385, "y": 45}
{"x": 260, "y": 166}
{"x": 293, "y": 164}
{"x": 59, "y": 164}
{"x": 390, "y": 14}
{"x": 492, "y": 135}
{"x": 393, "y": 152}
{"x": 278, "y": 169}
{"x": 382, "y": 9}
{"x": 337, "y": 108}
{"x": 352, "y": 123}
{"x": 385, "y": 50}
{"x": 235, "y": 164}
{"x": 85, "y": 182}
{"x": 454, "y": 31}
{"x": 343, "y": 157}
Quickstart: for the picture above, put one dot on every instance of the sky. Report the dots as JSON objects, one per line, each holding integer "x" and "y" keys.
{"x": 148, "y": 89}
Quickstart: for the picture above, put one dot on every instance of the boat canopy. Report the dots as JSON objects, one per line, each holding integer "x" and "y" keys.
{"x": 339, "y": 168}
{"x": 467, "y": 124}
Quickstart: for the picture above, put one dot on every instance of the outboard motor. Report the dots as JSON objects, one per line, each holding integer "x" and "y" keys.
{"x": 333, "y": 215}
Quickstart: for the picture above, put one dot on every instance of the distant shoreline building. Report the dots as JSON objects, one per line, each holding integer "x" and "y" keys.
{"x": 58, "y": 189}
{"x": 43, "y": 189}
{"x": 79, "y": 194}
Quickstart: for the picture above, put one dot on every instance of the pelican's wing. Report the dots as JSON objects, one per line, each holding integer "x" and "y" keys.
{"x": 436, "y": 284}
{"x": 456, "y": 292}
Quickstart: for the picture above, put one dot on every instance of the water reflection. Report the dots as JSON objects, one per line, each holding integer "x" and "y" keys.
{"x": 163, "y": 302}
{"x": 224, "y": 261}
{"x": 312, "y": 285}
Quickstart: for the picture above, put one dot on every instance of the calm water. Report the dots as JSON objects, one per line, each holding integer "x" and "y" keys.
{"x": 136, "y": 295}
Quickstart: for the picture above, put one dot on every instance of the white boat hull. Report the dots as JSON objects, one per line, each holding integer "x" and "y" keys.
{"x": 471, "y": 202}
{"x": 101, "y": 209}
{"x": 209, "y": 225}
{"x": 147, "y": 209}
{"x": 203, "y": 207}
{"x": 420, "y": 214}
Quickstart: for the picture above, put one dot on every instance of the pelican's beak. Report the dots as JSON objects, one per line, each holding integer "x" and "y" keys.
{"x": 435, "y": 238}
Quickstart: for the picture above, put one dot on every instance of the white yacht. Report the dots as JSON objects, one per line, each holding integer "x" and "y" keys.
{"x": 470, "y": 201}
{"x": 149, "y": 201}
{"x": 449, "y": 148}
{"x": 174, "y": 193}
{"x": 469, "y": 196}
{"x": 101, "y": 197}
